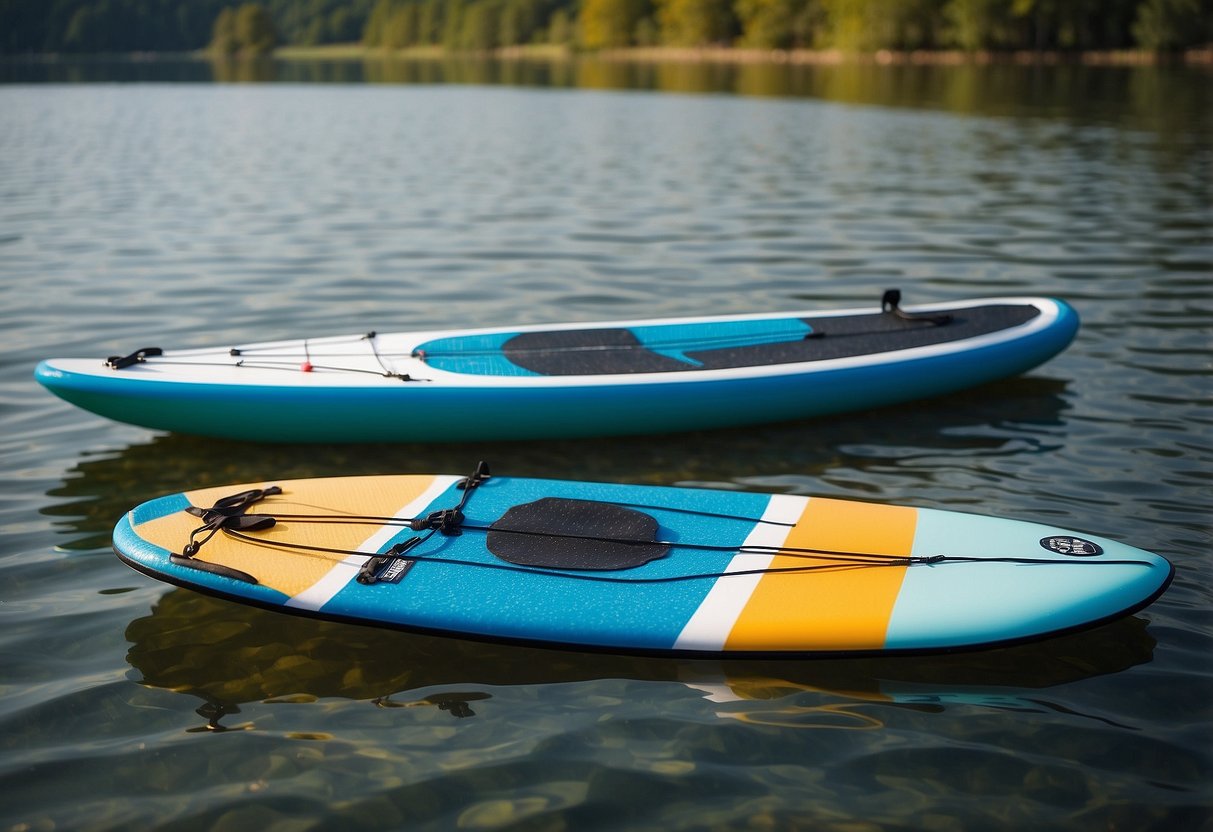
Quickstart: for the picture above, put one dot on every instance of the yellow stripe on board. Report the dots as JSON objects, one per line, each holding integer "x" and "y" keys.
{"x": 292, "y": 571}
{"x": 847, "y": 608}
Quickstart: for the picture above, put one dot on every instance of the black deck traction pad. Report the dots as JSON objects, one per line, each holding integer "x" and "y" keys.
{"x": 609, "y": 351}
{"x": 587, "y": 352}
{"x": 559, "y": 533}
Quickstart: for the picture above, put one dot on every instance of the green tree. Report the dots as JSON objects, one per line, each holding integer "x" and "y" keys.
{"x": 452, "y": 24}
{"x": 1071, "y": 24}
{"x": 480, "y": 27}
{"x": 848, "y": 24}
{"x": 315, "y": 32}
{"x": 82, "y": 29}
{"x": 520, "y": 20}
{"x": 647, "y": 33}
{"x": 401, "y": 28}
{"x": 1172, "y": 24}
{"x": 342, "y": 26}
{"x": 976, "y": 24}
{"x": 223, "y": 33}
{"x": 560, "y": 28}
{"x": 376, "y": 23}
{"x": 248, "y": 30}
{"x": 608, "y": 24}
{"x": 865, "y": 25}
{"x": 430, "y": 22}
{"x": 778, "y": 24}
{"x": 255, "y": 30}
{"x": 695, "y": 22}
{"x": 178, "y": 25}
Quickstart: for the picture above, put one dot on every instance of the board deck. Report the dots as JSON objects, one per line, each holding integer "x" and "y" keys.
{"x": 570, "y": 380}
{"x": 718, "y": 572}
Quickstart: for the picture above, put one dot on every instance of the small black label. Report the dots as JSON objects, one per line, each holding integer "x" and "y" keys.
{"x": 1073, "y": 546}
{"x": 395, "y": 569}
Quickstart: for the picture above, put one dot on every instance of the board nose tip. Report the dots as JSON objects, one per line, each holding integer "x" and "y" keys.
{"x": 47, "y": 374}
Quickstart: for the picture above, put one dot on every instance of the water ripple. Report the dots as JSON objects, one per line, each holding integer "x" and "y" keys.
{"x": 191, "y": 214}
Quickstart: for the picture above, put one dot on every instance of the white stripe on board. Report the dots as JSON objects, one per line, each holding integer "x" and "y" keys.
{"x": 321, "y": 592}
{"x": 710, "y": 625}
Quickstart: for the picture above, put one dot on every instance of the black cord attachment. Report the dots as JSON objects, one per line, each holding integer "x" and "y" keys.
{"x": 478, "y": 476}
{"x": 389, "y": 567}
{"x": 890, "y": 304}
{"x": 213, "y": 568}
{"x": 370, "y": 339}
{"x": 447, "y": 521}
{"x": 229, "y": 513}
{"x": 118, "y": 362}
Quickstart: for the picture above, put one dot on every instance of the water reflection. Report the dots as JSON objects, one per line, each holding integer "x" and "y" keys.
{"x": 228, "y": 654}
{"x": 208, "y": 214}
{"x": 1163, "y": 97}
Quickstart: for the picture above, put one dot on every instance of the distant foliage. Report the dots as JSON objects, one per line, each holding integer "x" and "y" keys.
{"x": 255, "y": 32}
{"x": 223, "y": 35}
{"x": 696, "y": 22}
{"x": 978, "y": 24}
{"x": 1173, "y": 24}
{"x": 247, "y": 31}
{"x": 780, "y": 24}
{"x": 465, "y": 24}
{"x": 860, "y": 25}
{"x": 611, "y": 24}
{"x": 109, "y": 26}
{"x": 96, "y": 26}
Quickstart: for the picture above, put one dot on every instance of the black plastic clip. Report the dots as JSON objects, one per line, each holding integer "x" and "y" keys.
{"x": 228, "y": 513}
{"x": 478, "y": 476}
{"x": 118, "y": 362}
{"x": 389, "y": 566}
{"x": 234, "y": 505}
{"x": 890, "y": 304}
{"x": 447, "y": 521}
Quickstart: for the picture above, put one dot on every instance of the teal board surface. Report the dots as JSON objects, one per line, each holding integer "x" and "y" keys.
{"x": 638, "y": 378}
{"x": 963, "y": 581}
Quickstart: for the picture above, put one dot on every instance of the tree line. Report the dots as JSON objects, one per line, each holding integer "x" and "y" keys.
{"x": 96, "y": 26}
{"x": 114, "y": 26}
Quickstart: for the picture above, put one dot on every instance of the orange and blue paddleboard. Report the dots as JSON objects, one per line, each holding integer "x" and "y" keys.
{"x": 640, "y": 569}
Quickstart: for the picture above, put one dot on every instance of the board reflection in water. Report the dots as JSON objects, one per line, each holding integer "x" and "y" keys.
{"x": 229, "y": 655}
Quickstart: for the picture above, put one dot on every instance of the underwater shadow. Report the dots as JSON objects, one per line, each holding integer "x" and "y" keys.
{"x": 229, "y": 654}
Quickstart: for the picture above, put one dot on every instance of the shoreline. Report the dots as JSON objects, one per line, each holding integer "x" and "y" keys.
{"x": 742, "y": 55}
{"x": 887, "y": 57}
{"x": 670, "y": 54}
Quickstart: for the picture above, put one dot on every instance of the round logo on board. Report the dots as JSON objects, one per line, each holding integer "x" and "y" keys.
{"x": 1073, "y": 546}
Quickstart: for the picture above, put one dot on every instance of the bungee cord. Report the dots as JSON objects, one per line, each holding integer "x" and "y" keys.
{"x": 263, "y": 358}
{"x": 319, "y": 551}
{"x": 228, "y": 516}
{"x": 837, "y": 561}
{"x": 299, "y": 355}
{"x": 404, "y": 521}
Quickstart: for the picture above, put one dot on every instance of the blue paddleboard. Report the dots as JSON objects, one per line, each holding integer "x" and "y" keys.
{"x": 633, "y": 568}
{"x": 570, "y": 380}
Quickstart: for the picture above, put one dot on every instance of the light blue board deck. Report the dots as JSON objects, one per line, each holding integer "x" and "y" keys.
{"x": 971, "y": 597}
{"x": 478, "y": 393}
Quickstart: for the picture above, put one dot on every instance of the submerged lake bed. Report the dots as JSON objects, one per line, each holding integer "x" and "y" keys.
{"x": 156, "y": 203}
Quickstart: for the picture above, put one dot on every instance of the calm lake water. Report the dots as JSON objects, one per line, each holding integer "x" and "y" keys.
{"x": 156, "y": 203}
